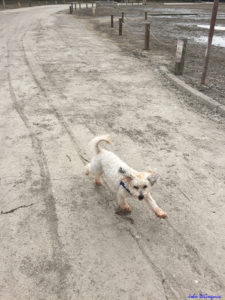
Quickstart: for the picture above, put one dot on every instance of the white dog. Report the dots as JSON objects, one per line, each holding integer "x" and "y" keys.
{"x": 122, "y": 179}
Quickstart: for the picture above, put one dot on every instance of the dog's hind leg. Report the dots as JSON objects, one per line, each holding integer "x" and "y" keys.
{"x": 87, "y": 169}
{"x": 95, "y": 169}
{"x": 98, "y": 180}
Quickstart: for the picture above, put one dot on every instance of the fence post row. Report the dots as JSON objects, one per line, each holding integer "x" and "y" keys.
{"x": 180, "y": 56}
{"x": 120, "y": 26}
{"x": 146, "y": 15}
{"x": 147, "y": 36}
{"x": 112, "y": 23}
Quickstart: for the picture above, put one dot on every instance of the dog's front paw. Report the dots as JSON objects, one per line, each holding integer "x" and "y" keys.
{"x": 123, "y": 209}
{"x": 161, "y": 214}
{"x": 126, "y": 207}
{"x": 98, "y": 183}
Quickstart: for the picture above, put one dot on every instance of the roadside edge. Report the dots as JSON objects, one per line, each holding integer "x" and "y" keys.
{"x": 202, "y": 98}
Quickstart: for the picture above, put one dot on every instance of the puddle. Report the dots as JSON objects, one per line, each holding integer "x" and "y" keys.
{"x": 222, "y": 28}
{"x": 217, "y": 40}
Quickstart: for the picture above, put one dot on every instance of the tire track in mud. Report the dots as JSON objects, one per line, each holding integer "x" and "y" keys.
{"x": 197, "y": 262}
{"x": 30, "y": 64}
{"x": 170, "y": 286}
{"x": 58, "y": 257}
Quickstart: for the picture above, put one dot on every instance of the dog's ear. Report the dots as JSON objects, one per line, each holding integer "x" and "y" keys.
{"x": 153, "y": 177}
{"x": 125, "y": 173}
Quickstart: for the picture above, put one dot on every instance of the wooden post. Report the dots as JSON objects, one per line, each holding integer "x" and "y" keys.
{"x": 120, "y": 26}
{"x": 211, "y": 32}
{"x": 71, "y": 9}
{"x": 86, "y": 5}
{"x": 180, "y": 56}
{"x": 92, "y": 4}
{"x": 75, "y": 6}
{"x": 79, "y": 5}
{"x": 146, "y": 15}
{"x": 94, "y": 11}
{"x": 112, "y": 24}
{"x": 123, "y": 17}
{"x": 147, "y": 36}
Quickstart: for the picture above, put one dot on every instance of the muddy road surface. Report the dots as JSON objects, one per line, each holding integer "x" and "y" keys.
{"x": 61, "y": 84}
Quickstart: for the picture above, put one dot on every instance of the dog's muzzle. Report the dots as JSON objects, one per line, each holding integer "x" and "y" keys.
{"x": 140, "y": 197}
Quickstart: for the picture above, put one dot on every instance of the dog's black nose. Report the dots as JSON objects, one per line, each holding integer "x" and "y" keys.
{"x": 140, "y": 197}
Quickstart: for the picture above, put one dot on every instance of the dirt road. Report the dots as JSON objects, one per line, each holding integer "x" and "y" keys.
{"x": 61, "y": 84}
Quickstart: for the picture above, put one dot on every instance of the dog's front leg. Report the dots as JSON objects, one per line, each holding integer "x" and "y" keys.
{"x": 156, "y": 209}
{"x": 122, "y": 202}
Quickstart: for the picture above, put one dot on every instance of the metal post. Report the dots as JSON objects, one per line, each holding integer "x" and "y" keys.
{"x": 146, "y": 15}
{"x": 211, "y": 32}
{"x": 112, "y": 24}
{"x": 147, "y": 36}
{"x": 75, "y": 6}
{"x": 3, "y": 3}
{"x": 123, "y": 17}
{"x": 180, "y": 56}
{"x": 86, "y": 5}
{"x": 79, "y": 5}
{"x": 120, "y": 26}
{"x": 92, "y": 4}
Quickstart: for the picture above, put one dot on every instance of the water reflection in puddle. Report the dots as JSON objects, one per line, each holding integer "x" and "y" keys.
{"x": 217, "y": 40}
{"x": 216, "y": 27}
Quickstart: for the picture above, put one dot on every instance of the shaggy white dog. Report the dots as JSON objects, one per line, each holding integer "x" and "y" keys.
{"x": 122, "y": 179}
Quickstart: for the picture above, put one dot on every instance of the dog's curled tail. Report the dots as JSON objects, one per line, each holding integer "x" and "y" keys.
{"x": 98, "y": 139}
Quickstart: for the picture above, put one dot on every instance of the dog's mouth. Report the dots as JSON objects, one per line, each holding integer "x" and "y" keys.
{"x": 140, "y": 198}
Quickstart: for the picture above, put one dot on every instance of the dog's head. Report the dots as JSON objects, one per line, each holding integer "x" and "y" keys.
{"x": 139, "y": 183}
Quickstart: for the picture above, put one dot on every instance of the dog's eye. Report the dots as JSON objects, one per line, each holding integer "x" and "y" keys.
{"x": 145, "y": 186}
{"x": 136, "y": 187}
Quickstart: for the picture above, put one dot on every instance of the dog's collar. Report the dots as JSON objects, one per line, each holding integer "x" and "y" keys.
{"x": 124, "y": 186}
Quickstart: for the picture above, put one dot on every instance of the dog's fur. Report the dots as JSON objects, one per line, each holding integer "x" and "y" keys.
{"x": 115, "y": 170}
